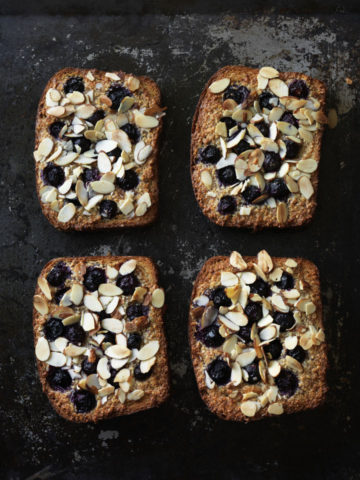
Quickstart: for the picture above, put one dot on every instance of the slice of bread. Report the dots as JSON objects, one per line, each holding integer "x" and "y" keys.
{"x": 99, "y": 338}
{"x": 256, "y": 336}
{"x": 96, "y": 148}
{"x": 255, "y": 147}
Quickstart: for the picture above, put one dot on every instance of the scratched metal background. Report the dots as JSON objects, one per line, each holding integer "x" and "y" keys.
{"x": 181, "y": 439}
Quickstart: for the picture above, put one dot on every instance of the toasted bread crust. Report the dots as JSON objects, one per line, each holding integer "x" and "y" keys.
{"x": 156, "y": 388}
{"x": 208, "y": 113}
{"x": 312, "y": 382}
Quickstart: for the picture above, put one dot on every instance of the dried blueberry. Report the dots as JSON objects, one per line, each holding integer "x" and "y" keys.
{"x": 227, "y": 205}
{"x": 253, "y": 311}
{"x": 90, "y": 175}
{"x": 83, "y": 400}
{"x": 58, "y": 379}
{"x": 219, "y": 371}
{"x": 53, "y": 175}
{"x": 75, "y": 333}
{"x": 53, "y": 329}
{"x": 219, "y": 297}
{"x": 58, "y": 274}
{"x": 129, "y": 181}
{"x": 135, "y": 310}
{"x": 253, "y": 372}
{"x": 287, "y": 383}
{"x": 89, "y": 367}
{"x": 292, "y": 148}
{"x": 299, "y": 89}
{"x": 241, "y": 147}
{"x": 134, "y": 341}
{"x": 209, "y": 154}
{"x": 286, "y": 281}
{"x": 260, "y": 287}
{"x": 74, "y": 84}
{"x": 251, "y": 193}
{"x": 127, "y": 283}
{"x": 264, "y": 100}
{"x": 81, "y": 142}
{"x": 59, "y": 294}
{"x": 226, "y": 175}
{"x": 139, "y": 375}
{"x": 132, "y": 132}
{"x": 298, "y": 353}
{"x": 117, "y": 93}
{"x": 108, "y": 208}
{"x": 239, "y": 93}
{"x": 277, "y": 189}
{"x": 102, "y": 315}
{"x": 93, "y": 277}
{"x": 74, "y": 201}
{"x": 96, "y": 116}
{"x": 210, "y": 336}
{"x": 55, "y": 129}
{"x": 286, "y": 320}
{"x": 289, "y": 118}
{"x": 273, "y": 349}
{"x": 264, "y": 128}
{"x": 229, "y": 122}
{"x": 245, "y": 333}
{"x": 109, "y": 337}
{"x": 272, "y": 162}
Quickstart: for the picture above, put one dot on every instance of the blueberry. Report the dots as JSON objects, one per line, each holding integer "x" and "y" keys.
{"x": 239, "y": 93}
{"x": 102, "y": 315}
{"x": 229, "y": 122}
{"x": 251, "y": 193}
{"x": 219, "y": 371}
{"x": 285, "y": 320}
{"x": 287, "y": 383}
{"x": 253, "y": 372}
{"x": 139, "y": 375}
{"x": 292, "y": 148}
{"x": 278, "y": 189}
{"x": 286, "y": 281}
{"x": 227, "y": 205}
{"x": 219, "y": 297}
{"x": 74, "y": 84}
{"x": 58, "y": 274}
{"x": 55, "y": 129}
{"x": 245, "y": 333}
{"x": 129, "y": 181}
{"x": 109, "y": 337}
{"x": 241, "y": 147}
{"x": 273, "y": 349}
{"x": 272, "y": 162}
{"x": 289, "y": 118}
{"x": 90, "y": 175}
{"x": 226, "y": 175}
{"x": 74, "y": 201}
{"x": 127, "y": 283}
{"x": 260, "y": 287}
{"x": 96, "y": 116}
{"x": 135, "y": 310}
{"x": 253, "y": 311}
{"x": 117, "y": 93}
{"x": 94, "y": 276}
{"x": 210, "y": 336}
{"x": 81, "y": 142}
{"x": 134, "y": 341}
{"x": 108, "y": 208}
{"x": 264, "y": 128}
{"x": 58, "y": 379}
{"x": 59, "y": 294}
{"x": 89, "y": 367}
{"x": 53, "y": 329}
{"x": 209, "y": 154}
{"x": 115, "y": 153}
{"x": 298, "y": 353}
{"x": 264, "y": 100}
{"x": 75, "y": 333}
{"x": 132, "y": 132}
{"x": 110, "y": 380}
{"x": 53, "y": 175}
{"x": 83, "y": 400}
{"x": 299, "y": 89}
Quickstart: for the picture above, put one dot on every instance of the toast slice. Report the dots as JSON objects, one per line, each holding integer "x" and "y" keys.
{"x": 96, "y": 148}
{"x": 99, "y": 338}
{"x": 257, "y": 337}
{"x": 255, "y": 147}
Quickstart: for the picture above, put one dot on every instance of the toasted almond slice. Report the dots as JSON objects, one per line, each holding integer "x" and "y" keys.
{"x": 136, "y": 395}
{"x": 44, "y": 287}
{"x": 287, "y": 129}
{"x": 268, "y": 72}
{"x": 290, "y": 342}
{"x": 105, "y": 146}
{"x": 42, "y": 349}
{"x": 99, "y": 186}
{"x": 238, "y": 318}
{"x": 56, "y": 111}
{"x": 128, "y": 267}
{"x": 275, "y": 409}
{"x": 125, "y": 104}
{"x": 66, "y": 159}
{"x": 56, "y": 359}
{"x": 81, "y": 193}
{"x": 206, "y": 178}
{"x": 111, "y": 272}
{"x": 141, "y": 209}
{"x": 219, "y": 85}
{"x": 274, "y": 368}
{"x": 308, "y": 165}
{"x": 103, "y": 368}
{"x": 104, "y": 163}
{"x": 145, "y": 121}
{"x": 88, "y": 322}
{"x": 228, "y": 279}
{"x": 332, "y": 118}
{"x": 76, "y": 294}
{"x": 123, "y": 375}
{"x": 71, "y": 319}
{"x": 278, "y": 303}
{"x": 109, "y": 289}
{"x": 310, "y": 308}
{"x": 112, "y": 76}
{"x": 148, "y": 350}
{"x": 107, "y": 390}
{"x": 92, "y": 303}
{"x": 126, "y": 206}
{"x": 237, "y": 261}
{"x": 275, "y": 114}
{"x": 146, "y": 365}
{"x": 93, "y": 202}
{"x": 262, "y": 82}
{"x": 228, "y": 324}
{"x": 66, "y": 213}
{"x": 268, "y": 333}
{"x": 248, "y": 278}
{"x": 45, "y": 147}
{"x": 293, "y": 363}
{"x": 291, "y": 184}
{"x": 158, "y": 298}
{"x": 41, "y": 305}
{"x": 118, "y": 352}
{"x": 85, "y": 111}
{"x": 282, "y": 212}
{"x": 74, "y": 351}
{"x": 246, "y": 357}
{"x": 249, "y": 408}
{"x": 306, "y": 188}
{"x": 264, "y": 261}
{"x": 236, "y": 374}
{"x": 278, "y": 87}
{"x": 112, "y": 325}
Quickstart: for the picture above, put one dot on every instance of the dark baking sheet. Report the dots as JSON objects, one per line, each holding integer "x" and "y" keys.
{"x": 181, "y": 439}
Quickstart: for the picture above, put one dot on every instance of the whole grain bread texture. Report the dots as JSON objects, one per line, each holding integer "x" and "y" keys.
{"x": 134, "y": 207}
{"x": 239, "y": 400}
{"x": 129, "y": 395}
{"x": 301, "y": 178}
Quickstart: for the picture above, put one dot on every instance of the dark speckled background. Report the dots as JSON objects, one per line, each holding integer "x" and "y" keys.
{"x": 180, "y": 50}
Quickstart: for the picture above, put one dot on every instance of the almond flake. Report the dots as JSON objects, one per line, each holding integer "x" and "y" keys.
{"x": 103, "y": 368}
{"x": 264, "y": 261}
{"x": 229, "y": 279}
{"x": 287, "y": 129}
{"x": 41, "y": 305}
{"x": 146, "y": 365}
{"x": 109, "y": 289}
{"x": 99, "y": 186}
{"x": 262, "y": 82}
{"x": 111, "y": 272}
{"x": 248, "y": 278}
{"x": 42, "y": 349}
{"x": 158, "y": 298}
{"x": 92, "y": 303}
{"x": 237, "y": 261}
{"x": 206, "y": 178}
{"x": 76, "y": 294}
{"x": 66, "y": 213}
{"x": 45, "y": 147}
{"x": 74, "y": 351}
{"x": 149, "y": 350}
{"x": 268, "y": 72}
{"x": 278, "y": 87}
{"x": 85, "y": 111}
{"x": 291, "y": 342}
{"x": 268, "y": 333}
{"x": 248, "y": 408}
{"x": 236, "y": 374}
{"x": 44, "y": 287}
{"x": 118, "y": 352}
{"x": 308, "y": 165}
{"x": 293, "y": 363}
{"x": 112, "y": 325}
{"x": 88, "y": 322}
{"x": 128, "y": 267}
{"x": 56, "y": 359}
{"x": 306, "y": 188}
{"x": 246, "y": 357}
{"x": 136, "y": 395}
{"x": 275, "y": 409}
{"x": 274, "y": 368}
{"x": 238, "y": 318}
{"x": 71, "y": 319}
{"x": 112, "y": 76}
{"x": 282, "y": 212}
{"x": 219, "y": 85}
{"x": 56, "y": 111}
{"x": 145, "y": 121}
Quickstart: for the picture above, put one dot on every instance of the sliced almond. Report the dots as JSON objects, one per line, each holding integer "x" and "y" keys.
{"x": 92, "y": 303}
{"x": 88, "y": 322}
{"x": 262, "y": 82}
{"x": 74, "y": 351}
{"x": 149, "y": 350}
{"x": 236, "y": 374}
{"x": 128, "y": 267}
{"x": 44, "y": 287}
{"x": 45, "y": 147}
{"x": 275, "y": 409}
{"x": 206, "y": 178}
{"x": 238, "y": 318}
{"x": 102, "y": 368}
{"x": 290, "y": 342}
{"x": 278, "y": 87}
{"x": 158, "y": 298}
{"x": 282, "y": 212}
{"x": 306, "y": 188}
{"x": 76, "y": 294}
{"x": 291, "y": 184}
{"x": 228, "y": 324}
{"x": 264, "y": 261}
{"x": 248, "y": 278}
{"x": 99, "y": 186}
{"x": 56, "y": 359}
{"x": 111, "y": 272}
{"x": 246, "y": 357}
{"x": 229, "y": 279}
{"x": 274, "y": 368}
{"x": 109, "y": 289}
{"x": 287, "y": 129}
{"x": 136, "y": 395}
{"x": 248, "y": 408}
{"x": 145, "y": 121}
{"x": 112, "y": 325}
{"x": 146, "y": 365}
{"x": 237, "y": 261}
{"x": 71, "y": 319}
{"x": 308, "y": 165}
{"x": 219, "y": 85}
{"x": 42, "y": 349}
{"x": 278, "y": 303}
{"x": 85, "y": 111}
{"x": 268, "y": 333}
{"x": 293, "y": 363}
{"x": 41, "y": 305}
{"x": 118, "y": 352}
{"x": 66, "y": 213}
{"x": 56, "y": 111}
{"x": 268, "y": 72}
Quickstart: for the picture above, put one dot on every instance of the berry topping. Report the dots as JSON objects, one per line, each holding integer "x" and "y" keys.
{"x": 272, "y": 162}
{"x": 132, "y": 132}
{"x": 53, "y": 175}
{"x": 260, "y": 287}
{"x": 74, "y": 84}
{"x": 108, "y": 208}
{"x": 299, "y": 89}
{"x": 273, "y": 349}
{"x": 210, "y": 336}
{"x": 59, "y": 294}
{"x": 292, "y": 148}
{"x": 229, "y": 122}
{"x": 219, "y": 297}
{"x": 286, "y": 281}
{"x": 278, "y": 189}
{"x": 109, "y": 337}
{"x": 209, "y": 154}
{"x": 58, "y": 379}
{"x": 129, "y": 181}
{"x": 251, "y": 193}
{"x": 285, "y": 320}
{"x": 253, "y": 371}
{"x": 134, "y": 341}
{"x": 53, "y": 329}
{"x": 227, "y": 175}
{"x": 253, "y": 311}
{"x": 90, "y": 175}
{"x": 239, "y": 93}
{"x": 135, "y": 310}
{"x": 127, "y": 283}
{"x": 81, "y": 142}
{"x": 264, "y": 100}
{"x": 139, "y": 375}
{"x": 117, "y": 93}
{"x": 83, "y": 400}
{"x": 58, "y": 274}
{"x": 298, "y": 353}
{"x": 289, "y": 118}
{"x": 227, "y": 205}
{"x": 219, "y": 371}
{"x": 88, "y": 367}
{"x": 55, "y": 129}
{"x": 287, "y": 383}
{"x": 96, "y": 116}
{"x": 245, "y": 333}
{"x": 75, "y": 333}
{"x": 264, "y": 128}
{"x": 241, "y": 147}
{"x": 93, "y": 277}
